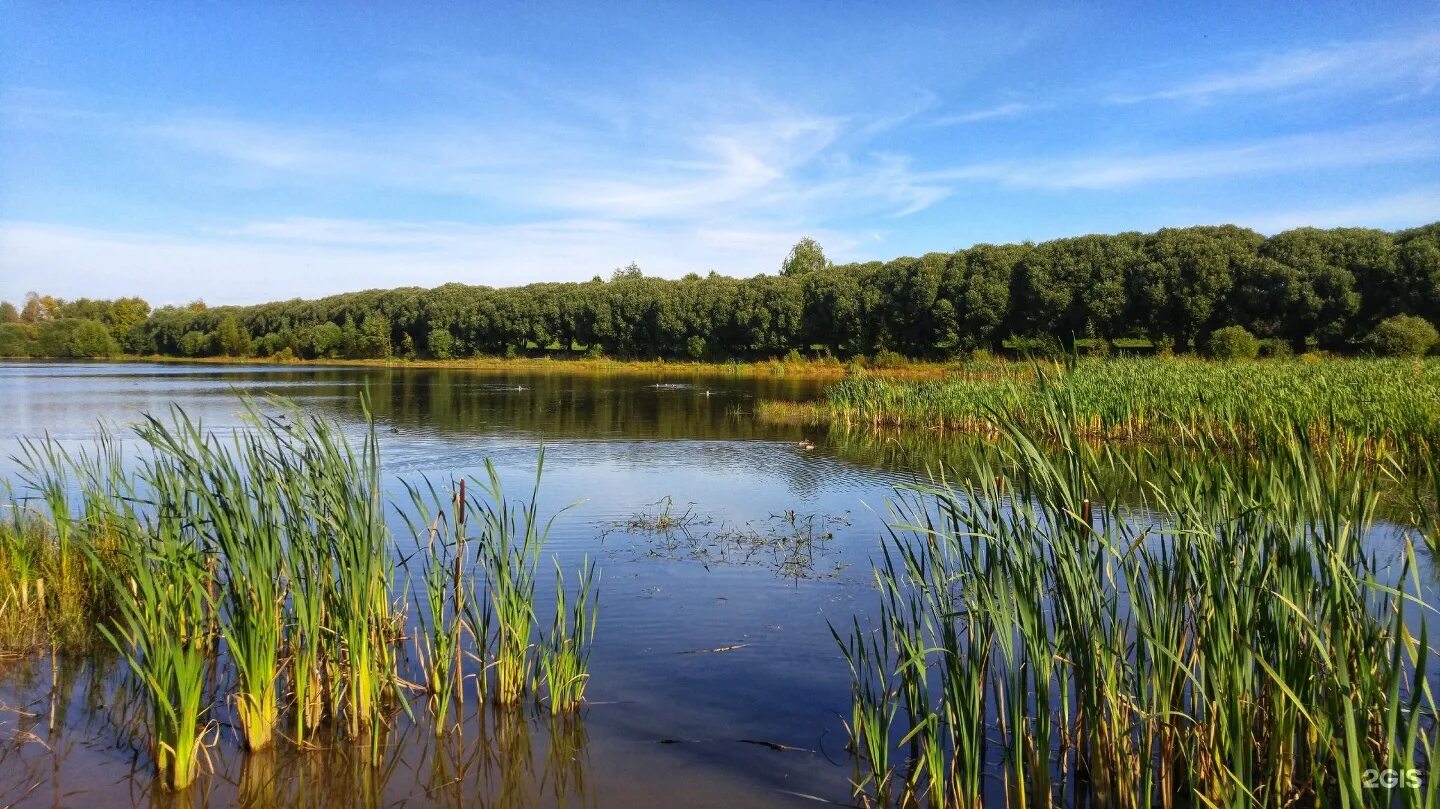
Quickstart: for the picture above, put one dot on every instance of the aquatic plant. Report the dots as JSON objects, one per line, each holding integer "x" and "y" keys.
{"x": 1377, "y": 407}
{"x": 163, "y": 625}
{"x": 564, "y": 658}
{"x": 1228, "y": 642}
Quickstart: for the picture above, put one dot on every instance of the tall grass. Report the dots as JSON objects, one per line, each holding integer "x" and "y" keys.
{"x": 1227, "y": 642}
{"x": 256, "y": 550}
{"x": 564, "y": 657}
{"x": 1371, "y": 405}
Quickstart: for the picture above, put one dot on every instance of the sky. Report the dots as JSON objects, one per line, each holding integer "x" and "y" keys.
{"x": 243, "y": 152}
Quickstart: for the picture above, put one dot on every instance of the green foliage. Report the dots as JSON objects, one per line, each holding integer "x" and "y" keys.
{"x": 1326, "y": 288}
{"x": 197, "y": 344}
{"x": 1275, "y": 348}
{"x": 805, "y": 257}
{"x": 231, "y": 338}
{"x": 8, "y": 313}
{"x": 16, "y": 340}
{"x": 1232, "y": 343}
{"x": 441, "y": 344}
{"x": 1403, "y": 336}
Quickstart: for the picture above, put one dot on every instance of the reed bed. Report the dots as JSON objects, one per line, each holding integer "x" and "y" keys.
{"x": 1386, "y": 406}
{"x": 263, "y": 553}
{"x": 1228, "y": 642}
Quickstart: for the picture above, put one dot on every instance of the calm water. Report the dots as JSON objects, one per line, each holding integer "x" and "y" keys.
{"x": 670, "y": 722}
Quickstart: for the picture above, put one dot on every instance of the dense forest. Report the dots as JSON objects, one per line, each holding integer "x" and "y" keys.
{"x": 1344, "y": 290}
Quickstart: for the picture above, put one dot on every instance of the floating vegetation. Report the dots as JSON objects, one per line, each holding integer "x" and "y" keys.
{"x": 1232, "y": 643}
{"x": 794, "y": 545}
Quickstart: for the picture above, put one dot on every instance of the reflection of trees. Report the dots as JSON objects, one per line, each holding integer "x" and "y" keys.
{"x": 559, "y": 405}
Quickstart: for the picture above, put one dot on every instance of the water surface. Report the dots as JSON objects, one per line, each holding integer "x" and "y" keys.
{"x": 670, "y": 721}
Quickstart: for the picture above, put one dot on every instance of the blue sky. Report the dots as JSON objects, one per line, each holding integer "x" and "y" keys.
{"x": 244, "y": 152}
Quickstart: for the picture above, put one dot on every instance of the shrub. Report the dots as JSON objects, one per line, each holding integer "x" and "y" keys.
{"x": 1232, "y": 343}
{"x": 889, "y": 359}
{"x": 1403, "y": 336}
{"x": 1276, "y": 348}
{"x": 696, "y": 347}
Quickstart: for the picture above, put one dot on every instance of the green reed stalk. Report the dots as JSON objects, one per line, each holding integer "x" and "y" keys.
{"x": 1230, "y": 642}
{"x": 564, "y": 658}
{"x": 163, "y": 622}
{"x": 510, "y": 541}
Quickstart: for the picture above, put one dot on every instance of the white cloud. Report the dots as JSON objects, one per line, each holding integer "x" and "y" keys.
{"x": 1412, "y": 61}
{"x": 1394, "y": 211}
{"x": 266, "y": 260}
{"x": 1297, "y": 153}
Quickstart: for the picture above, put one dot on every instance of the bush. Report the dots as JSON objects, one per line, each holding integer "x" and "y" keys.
{"x": 696, "y": 347}
{"x": 1403, "y": 336}
{"x": 1044, "y": 347}
{"x": 1276, "y": 348}
{"x": 1232, "y": 343}
{"x": 889, "y": 359}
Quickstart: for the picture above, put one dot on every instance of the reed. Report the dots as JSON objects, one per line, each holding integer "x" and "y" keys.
{"x": 163, "y": 622}
{"x": 237, "y": 498}
{"x": 1371, "y": 406}
{"x": 564, "y": 658}
{"x": 511, "y": 537}
{"x": 1228, "y": 641}
{"x": 443, "y": 598}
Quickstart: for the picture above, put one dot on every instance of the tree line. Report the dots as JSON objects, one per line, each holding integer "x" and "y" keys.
{"x": 1297, "y": 290}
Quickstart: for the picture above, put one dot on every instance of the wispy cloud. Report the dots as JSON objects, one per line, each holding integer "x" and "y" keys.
{"x": 1395, "y": 210}
{"x": 1411, "y": 63}
{"x": 308, "y": 257}
{"x": 1297, "y": 153}
{"x": 1007, "y": 110}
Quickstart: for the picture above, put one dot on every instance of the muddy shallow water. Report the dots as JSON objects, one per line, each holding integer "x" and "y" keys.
{"x": 768, "y": 540}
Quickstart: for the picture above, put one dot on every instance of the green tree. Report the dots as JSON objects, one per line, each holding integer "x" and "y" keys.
{"x": 90, "y": 338}
{"x": 441, "y": 344}
{"x": 373, "y": 341}
{"x": 231, "y": 338}
{"x": 15, "y": 340}
{"x": 8, "y": 313}
{"x": 197, "y": 344}
{"x": 805, "y": 257}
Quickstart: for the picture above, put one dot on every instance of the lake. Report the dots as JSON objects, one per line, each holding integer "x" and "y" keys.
{"x": 715, "y": 680}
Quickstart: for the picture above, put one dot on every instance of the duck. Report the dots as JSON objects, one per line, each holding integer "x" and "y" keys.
{"x": 805, "y": 445}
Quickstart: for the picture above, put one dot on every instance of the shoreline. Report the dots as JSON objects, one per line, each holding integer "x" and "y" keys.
{"x": 778, "y": 368}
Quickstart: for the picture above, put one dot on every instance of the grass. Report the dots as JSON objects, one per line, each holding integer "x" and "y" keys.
{"x": 564, "y": 658}
{"x": 1375, "y": 406}
{"x": 1229, "y": 641}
